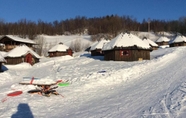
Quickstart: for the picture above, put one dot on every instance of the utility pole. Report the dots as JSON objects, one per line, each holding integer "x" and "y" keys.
{"x": 148, "y": 24}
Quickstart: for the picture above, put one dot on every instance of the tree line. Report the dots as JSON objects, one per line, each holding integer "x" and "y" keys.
{"x": 110, "y": 24}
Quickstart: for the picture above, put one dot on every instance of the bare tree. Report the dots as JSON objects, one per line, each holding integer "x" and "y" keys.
{"x": 40, "y": 42}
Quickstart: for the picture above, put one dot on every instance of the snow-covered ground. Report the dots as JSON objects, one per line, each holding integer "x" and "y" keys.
{"x": 153, "y": 88}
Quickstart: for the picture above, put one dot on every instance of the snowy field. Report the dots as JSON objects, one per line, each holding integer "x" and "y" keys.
{"x": 153, "y": 88}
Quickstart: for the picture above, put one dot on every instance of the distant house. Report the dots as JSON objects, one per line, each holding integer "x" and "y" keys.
{"x": 9, "y": 42}
{"x": 178, "y": 41}
{"x": 22, "y": 54}
{"x": 126, "y": 47}
{"x": 2, "y": 60}
{"x": 96, "y": 49}
{"x": 60, "y": 50}
{"x": 153, "y": 45}
{"x": 162, "y": 41}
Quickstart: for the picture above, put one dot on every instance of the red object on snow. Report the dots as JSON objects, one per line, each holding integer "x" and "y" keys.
{"x": 12, "y": 94}
{"x": 15, "y": 93}
{"x": 58, "y": 81}
{"x": 32, "y": 80}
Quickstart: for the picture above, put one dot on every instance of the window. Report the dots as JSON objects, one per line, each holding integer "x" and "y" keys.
{"x": 124, "y": 52}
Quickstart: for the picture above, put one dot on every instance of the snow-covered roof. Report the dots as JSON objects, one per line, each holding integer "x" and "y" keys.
{"x": 18, "y": 39}
{"x": 59, "y": 47}
{"x": 99, "y": 45}
{"x": 125, "y": 40}
{"x": 163, "y": 39}
{"x": 150, "y": 42}
{"x": 179, "y": 38}
{"x": 21, "y": 51}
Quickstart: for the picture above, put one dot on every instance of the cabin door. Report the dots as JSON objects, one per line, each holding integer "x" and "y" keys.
{"x": 69, "y": 52}
{"x": 28, "y": 58}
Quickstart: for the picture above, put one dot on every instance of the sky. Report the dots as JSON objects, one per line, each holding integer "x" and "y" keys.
{"x": 51, "y": 10}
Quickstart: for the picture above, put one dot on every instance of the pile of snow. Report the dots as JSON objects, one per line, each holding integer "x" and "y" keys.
{"x": 2, "y": 58}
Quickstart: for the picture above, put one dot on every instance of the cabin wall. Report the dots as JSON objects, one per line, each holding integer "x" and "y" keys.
{"x": 177, "y": 44}
{"x": 127, "y": 55}
{"x": 1, "y": 67}
{"x": 56, "y": 54}
{"x": 17, "y": 60}
{"x": 109, "y": 55}
{"x": 97, "y": 52}
{"x": 154, "y": 48}
{"x": 13, "y": 61}
{"x": 11, "y": 44}
{"x": 162, "y": 43}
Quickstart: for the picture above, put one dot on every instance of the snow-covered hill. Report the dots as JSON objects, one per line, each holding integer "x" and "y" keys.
{"x": 112, "y": 89}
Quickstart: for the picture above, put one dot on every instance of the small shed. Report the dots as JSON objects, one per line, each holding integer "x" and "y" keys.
{"x": 10, "y": 42}
{"x": 60, "y": 50}
{"x": 126, "y": 47}
{"x": 151, "y": 43}
{"x": 2, "y": 60}
{"x": 162, "y": 41}
{"x": 22, "y": 54}
{"x": 179, "y": 40}
{"x": 96, "y": 49}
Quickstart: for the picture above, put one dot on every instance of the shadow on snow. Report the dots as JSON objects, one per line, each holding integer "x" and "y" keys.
{"x": 23, "y": 110}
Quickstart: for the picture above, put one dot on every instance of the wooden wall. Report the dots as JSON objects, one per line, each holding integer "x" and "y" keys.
{"x": 56, "y": 54}
{"x": 17, "y": 60}
{"x": 127, "y": 55}
{"x": 177, "y": 44}
{"x": 1, "y": 67}
{"x": 11, "y": 44}
{"x": 162, "y": 43}
{"x": 97, "y": 52}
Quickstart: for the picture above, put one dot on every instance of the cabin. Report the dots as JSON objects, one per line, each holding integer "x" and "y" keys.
{"x": 9, "y": 42}
{"x": 126, "y": 47}
{"x": 151, "y": 43}
{"x": 96, "y": 49}
{"x": 162, "y": 41}
{"x": 179, "y": 40}
{"x": 60, "y": 50}
{"x": 2, "y": 60}
{"x": 22, "y": 54}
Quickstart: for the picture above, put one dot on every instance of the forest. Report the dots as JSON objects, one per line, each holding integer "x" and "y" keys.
{"x": 110, "y": 24}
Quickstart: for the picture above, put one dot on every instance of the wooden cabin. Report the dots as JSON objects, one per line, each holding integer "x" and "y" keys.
{"x": 126, "y": 47}
{"x": 96, "y": 49}
{"x": 60, "y": 50}
{"x": 10, "y": 42}
{"x": 178, "y": 41}
{"x": 22, "y": 54}
{"x": 162, "y": 41}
